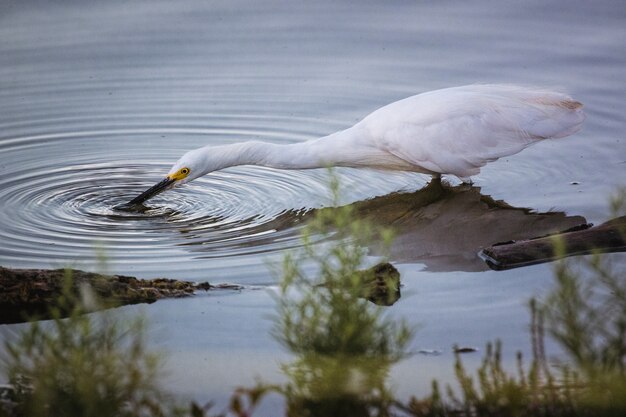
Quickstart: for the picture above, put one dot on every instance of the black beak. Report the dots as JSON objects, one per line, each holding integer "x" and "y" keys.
{"x": 152, "y": 191}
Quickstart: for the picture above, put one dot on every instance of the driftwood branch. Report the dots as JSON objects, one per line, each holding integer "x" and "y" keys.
{"x": 581, "y": 240}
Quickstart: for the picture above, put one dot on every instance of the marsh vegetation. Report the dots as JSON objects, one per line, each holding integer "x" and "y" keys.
{"x": 343, "y": 347}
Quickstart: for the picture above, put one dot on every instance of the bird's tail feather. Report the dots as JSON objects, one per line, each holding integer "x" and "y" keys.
{"x": 555, "y": 115}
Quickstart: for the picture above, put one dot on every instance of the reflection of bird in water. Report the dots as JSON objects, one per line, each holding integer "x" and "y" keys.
{"x": 451, "y": 131}
{"x": 445, "y": 227}
{"x": 440, "y": 226}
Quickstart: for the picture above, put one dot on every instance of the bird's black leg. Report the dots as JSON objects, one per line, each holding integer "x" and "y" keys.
{"x": 435, "y": 181}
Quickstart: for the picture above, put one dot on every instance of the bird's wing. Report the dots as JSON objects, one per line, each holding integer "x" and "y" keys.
{"x": 459, "y": 134}
{"x": 458, "y": 146}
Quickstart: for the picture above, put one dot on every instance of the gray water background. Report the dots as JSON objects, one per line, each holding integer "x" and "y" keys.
{"x": 98, "y": 99}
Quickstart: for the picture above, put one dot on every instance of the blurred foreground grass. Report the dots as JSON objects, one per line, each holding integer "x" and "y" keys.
{"x": 90, "y": 365}
{"x": 95, "y": 365}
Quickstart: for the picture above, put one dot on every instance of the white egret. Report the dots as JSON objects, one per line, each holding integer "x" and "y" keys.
{"x": 450, "y": 131}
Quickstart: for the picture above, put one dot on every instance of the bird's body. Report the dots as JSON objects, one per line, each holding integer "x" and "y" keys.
{"x": 451, "y": 131}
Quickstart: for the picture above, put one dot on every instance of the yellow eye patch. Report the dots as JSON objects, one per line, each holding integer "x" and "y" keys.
{"x": 180, "y": 174}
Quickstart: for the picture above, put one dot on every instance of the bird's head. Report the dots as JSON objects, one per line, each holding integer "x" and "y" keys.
{"x": 190, "y": 166}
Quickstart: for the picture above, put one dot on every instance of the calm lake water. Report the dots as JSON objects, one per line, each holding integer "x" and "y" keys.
{"x": 98, "y": 99}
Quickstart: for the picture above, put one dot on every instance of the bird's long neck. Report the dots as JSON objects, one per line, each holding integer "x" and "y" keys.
{"x": 317, "y": 153}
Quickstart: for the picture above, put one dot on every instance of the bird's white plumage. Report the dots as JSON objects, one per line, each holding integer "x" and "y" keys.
{"x": 458, "y": 130}
{"x": 450, "y": 131}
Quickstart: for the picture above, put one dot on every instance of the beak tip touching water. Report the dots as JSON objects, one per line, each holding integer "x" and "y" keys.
{"x": 163, "y": 185}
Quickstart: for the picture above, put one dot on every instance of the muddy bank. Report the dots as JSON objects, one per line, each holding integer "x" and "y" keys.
{"x": 27, "y": 293}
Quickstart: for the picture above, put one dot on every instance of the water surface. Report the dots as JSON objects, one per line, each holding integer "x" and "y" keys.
{"x": 98, "y": 99}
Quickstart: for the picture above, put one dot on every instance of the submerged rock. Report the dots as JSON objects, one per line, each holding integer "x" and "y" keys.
{"x": 381, "y": 284}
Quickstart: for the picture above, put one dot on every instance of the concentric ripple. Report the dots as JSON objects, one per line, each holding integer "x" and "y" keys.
{"x": 97, "y": 102}
{"x": 57, "y": 214}
{"x": 58, "y": 205}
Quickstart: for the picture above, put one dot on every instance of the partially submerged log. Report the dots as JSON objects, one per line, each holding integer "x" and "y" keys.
{"x": 581, "y": 240}
{"x": 25, "y": 293}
